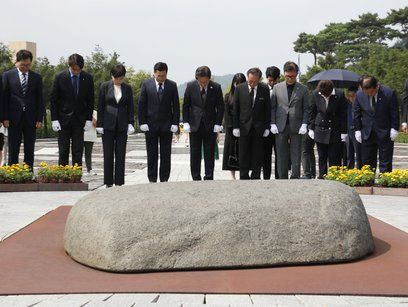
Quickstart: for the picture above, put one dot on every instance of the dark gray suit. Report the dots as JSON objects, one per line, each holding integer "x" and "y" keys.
{"x": 202, "y": 115}
{"x": 288, "y": 117}
{"x": 159, "y": 115}
{"x": 252, "y": 118}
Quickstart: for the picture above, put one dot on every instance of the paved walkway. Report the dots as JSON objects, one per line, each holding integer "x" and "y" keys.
{"x": 17, "y": 210}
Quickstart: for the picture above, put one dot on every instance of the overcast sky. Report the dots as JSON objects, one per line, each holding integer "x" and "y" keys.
{"x": 227, "y": 35}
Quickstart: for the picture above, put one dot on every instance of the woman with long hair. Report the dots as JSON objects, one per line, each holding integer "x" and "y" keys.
{"x": 231, "y": 154}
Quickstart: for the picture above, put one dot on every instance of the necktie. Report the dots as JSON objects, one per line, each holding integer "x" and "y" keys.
{"x": 24, "y": 84}
{"x": 373, "y": 103}
{"x": 160, "y": 91}
{"x": 251, "y": 95}
{"x": 75, "y": 84}
{"x": 203, "y": 95}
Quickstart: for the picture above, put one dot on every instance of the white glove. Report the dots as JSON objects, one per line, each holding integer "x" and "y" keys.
{"x": 174, "y": 128}
{"x": 88, "y": 125}
{"x": 274, "y": 129}
{"x": 393, "y": 134}
{"x": 303, "y": 129}
{"x": 144, "y": 127}
{"x": 343, "y": 137}
{"x": 131, "y": 129}
{"x": 357, "y": 134}
{"x": 99, "y": 130}
{"x": 187, "y": 128}
{"x": 311, "y": 134}
{"x": 236, "y": 133}
{"x": 217, "y": 128}
{"x": 56, "y": 125}
{"x": 266, "y": 133}
{"x": 404, "y": 126}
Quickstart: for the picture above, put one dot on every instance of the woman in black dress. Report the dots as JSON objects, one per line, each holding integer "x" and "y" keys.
{"x": 230, "y": 157}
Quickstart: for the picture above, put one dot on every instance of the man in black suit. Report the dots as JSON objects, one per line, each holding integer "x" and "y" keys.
{"x": 72, "y": 103}
{"x": 404, "y": 125}
{"x": 272, "y": 76}
{"x": 23, "y": 107}
{"x": 159, "y": 115}
{"x": 252, "y": 118}
{"x": 203, "y": 111}
{"x": 376, "y": 122}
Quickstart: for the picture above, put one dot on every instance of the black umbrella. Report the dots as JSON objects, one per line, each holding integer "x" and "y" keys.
{"x": 340, "y": 77}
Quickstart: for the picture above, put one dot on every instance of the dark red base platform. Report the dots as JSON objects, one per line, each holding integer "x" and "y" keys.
{"x": 33, "y": 261}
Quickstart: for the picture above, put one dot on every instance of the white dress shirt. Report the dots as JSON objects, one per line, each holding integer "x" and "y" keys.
{"x": 328, "y": 98}
{"x": 157, "y": 85}
{"x": 118, "y": 92}
{"x": 20, "y": 74}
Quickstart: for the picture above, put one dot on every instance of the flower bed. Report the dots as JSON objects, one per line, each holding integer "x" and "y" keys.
{"x": 393, "y": 183}
{"x": 352, "y": 177}
{"x": 16, "y": 173}
{"x": 19, "y": 178}
{"x": 59, "y": 173}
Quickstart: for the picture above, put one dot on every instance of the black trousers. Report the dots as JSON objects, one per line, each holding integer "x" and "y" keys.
{"x": 269, "y": 144}
{"x": 205, "y": 139}
{"x": 385, "y": 149}
{"x": 114, "y": 153}
{"x": 328, "y": 153}
{"x": 73, "y": 132}
{"x": 353, "y": 152}
{"x": 308, "y": 157}
{"x": 15, "y": 135}
{"x": 153, "y": 139}
{"x": 251, "y": 153}
{"x": 88, "y": 155}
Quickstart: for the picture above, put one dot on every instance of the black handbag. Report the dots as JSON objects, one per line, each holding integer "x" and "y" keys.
{"x": 233, "y": 158}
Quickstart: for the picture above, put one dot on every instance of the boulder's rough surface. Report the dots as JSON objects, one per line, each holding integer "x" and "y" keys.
{"x": 218, "y": 224}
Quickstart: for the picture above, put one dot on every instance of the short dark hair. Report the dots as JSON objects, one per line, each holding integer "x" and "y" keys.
{"x": 353, "y": 89}
{"x": 24, "y": 54}
{"x": 160, "y": 66}
{"x": 325, "y": 87}
{"x": 290, "y": 66}
{"x": 369, "y": 82}
{"x": 118, "y": 71}
{"x": 273, "y": 72}
{"x": 76, "y": 59}
{"x": 203, "y": 71}
{"x": 255, "y": 71}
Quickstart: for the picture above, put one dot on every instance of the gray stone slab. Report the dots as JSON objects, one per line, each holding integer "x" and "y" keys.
{"x": 187, "y": 225}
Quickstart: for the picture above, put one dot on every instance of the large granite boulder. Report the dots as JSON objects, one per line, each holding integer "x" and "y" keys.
{"x": 218, "y": 224}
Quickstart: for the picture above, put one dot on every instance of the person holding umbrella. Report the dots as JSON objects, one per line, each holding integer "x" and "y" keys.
{"x": 328, "y": 124}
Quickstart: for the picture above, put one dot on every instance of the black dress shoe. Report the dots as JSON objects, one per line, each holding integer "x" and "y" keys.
{"x": 108, "y": 185}
{"x": 306, "y": 177}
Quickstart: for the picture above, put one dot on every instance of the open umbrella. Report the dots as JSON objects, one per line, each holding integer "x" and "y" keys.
{"x": 340, "y": 77}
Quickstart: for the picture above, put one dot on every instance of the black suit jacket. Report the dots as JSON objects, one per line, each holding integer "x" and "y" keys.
{"x": 405, "y": 103}
{"x": 385, "y": 117}
{"x": 65, "y": 104}
{"x": 328, "y": 123}
{"x": 210, "y": 111}
{"x": 111, "y": 114}
{"x": 14, "y": 100}
{"x": 159, "y": 115}
{"x": 245, "y": 115}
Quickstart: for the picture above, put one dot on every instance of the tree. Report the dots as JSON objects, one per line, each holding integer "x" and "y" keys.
{"x": 47, "y": 71}
{"x": 99, "y": 65}
{"x": 5, "y": 58}
{"x": 135, "y": 80}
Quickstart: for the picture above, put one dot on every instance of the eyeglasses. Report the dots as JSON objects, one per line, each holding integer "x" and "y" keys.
{"x": 290, "y": 77}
